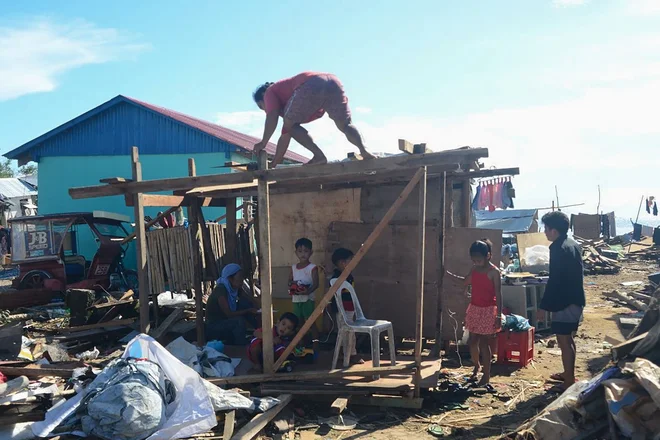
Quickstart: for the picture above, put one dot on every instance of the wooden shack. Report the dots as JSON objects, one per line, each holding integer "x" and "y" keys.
{"x": 405, "y": 240}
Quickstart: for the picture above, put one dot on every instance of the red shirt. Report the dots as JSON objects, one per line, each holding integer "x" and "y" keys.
{"x": 483, "y": 290}
{"x": 278, "y": 94}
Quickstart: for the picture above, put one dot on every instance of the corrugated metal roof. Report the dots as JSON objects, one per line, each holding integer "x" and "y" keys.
{"x": 14, "y": 187}
{"x": 32, "y": 179}
{"x": 116, "y": 125}
{"x": 509, "y": 220}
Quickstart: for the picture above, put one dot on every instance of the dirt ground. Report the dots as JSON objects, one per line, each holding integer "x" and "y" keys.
{"x": 520, "y": 393}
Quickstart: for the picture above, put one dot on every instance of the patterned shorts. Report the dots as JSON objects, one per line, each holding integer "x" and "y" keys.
{"x": 481, "y": 320}
{"x": 320, "y": 92}
{"x": 277, "y": 348}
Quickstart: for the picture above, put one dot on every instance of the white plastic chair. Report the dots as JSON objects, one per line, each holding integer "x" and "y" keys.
{"x": 361, "y": 325}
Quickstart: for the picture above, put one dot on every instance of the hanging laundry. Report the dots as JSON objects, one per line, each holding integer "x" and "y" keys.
{"x": 483, "y": 198}
{"x": 648, "y": 206}
{"x": 655, "y": 209}
{"x": 510, "y": 194}
{"x": 491, "y": 193}
{"x": 475, "y": 201}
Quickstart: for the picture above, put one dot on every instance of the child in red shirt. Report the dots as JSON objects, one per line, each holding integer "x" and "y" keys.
{"x": 283, "y": 332}
{"x": 483, "y": 316}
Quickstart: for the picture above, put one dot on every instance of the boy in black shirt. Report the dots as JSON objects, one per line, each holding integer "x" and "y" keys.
{"x": 564, "y": 293}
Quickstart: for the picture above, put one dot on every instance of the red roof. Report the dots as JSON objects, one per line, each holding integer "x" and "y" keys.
{"x": 233, "y": 137}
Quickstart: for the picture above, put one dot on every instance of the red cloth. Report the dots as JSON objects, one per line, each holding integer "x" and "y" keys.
{"x": 3, "y": 378}
{"x": 483, "y": 290}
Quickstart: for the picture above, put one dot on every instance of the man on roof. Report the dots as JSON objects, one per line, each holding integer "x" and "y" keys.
{"x": 299, "y": 100}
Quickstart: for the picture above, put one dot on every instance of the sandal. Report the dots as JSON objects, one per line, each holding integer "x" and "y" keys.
{"x": 557, "y": 377}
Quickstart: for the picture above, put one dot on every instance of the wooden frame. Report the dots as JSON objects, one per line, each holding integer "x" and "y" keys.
{"x": 194, "y": 191}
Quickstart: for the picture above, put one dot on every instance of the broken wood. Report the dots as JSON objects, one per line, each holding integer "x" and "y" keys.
{"x": 259, "y": 422}
{"x": 151, "y": 223}
{"x": 107, "y": 324}
{"x": 228, "y": 430}
{"x": 111, "y": 180}
{"x": 624, "y": 349}
{"x": 627, "y": 299}
{"x": 339, "y": 405}
{"x": 164, "y": 327}
{"x": 37, "y": 372}
{"x": 346, "y": 272}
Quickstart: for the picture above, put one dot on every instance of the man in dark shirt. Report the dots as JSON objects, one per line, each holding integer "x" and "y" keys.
{"x": 564, "y": 293}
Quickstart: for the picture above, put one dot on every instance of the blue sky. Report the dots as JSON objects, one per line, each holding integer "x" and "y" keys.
{"x": 569, "y": 90}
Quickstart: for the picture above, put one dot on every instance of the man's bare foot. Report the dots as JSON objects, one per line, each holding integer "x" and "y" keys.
{"x": 366, "y": 155}
{"x": 475, "y": 372}
{"x": 318, "y": 160}
{"x": 357, "y": 360}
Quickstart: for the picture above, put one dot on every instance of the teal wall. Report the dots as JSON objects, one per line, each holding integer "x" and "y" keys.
{"x": 58, "y": 174}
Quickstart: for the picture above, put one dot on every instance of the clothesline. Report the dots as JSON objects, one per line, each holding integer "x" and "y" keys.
{"x": 494, "y": 193}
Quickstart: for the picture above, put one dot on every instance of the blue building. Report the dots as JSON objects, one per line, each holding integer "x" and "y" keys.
{"x": 97, "y": 145}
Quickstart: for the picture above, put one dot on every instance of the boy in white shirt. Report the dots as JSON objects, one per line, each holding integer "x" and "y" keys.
{"x": 303, "y": 282}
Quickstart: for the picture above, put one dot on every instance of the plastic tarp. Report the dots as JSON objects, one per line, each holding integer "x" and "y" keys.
{"x": 207, "y": 361}
{"x": 191, "y": 412}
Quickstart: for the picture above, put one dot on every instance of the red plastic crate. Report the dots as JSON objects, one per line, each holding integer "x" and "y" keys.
{"x": 515, "y": 348}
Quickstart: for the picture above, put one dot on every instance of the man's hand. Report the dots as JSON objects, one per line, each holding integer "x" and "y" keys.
{"x": 259, "y": 146}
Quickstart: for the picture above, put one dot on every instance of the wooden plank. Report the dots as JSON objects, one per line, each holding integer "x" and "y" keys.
{"x": 107, "y": 324}
{"x": 632, "y": 302}
{"x": 284, "y": 173}
{"x": 228, "y": 430}
{"x": 622, "y": 350}
{"x": 140, "y": 245}
{"x": 259, "y": 422}
{"x": 265, "y": 268}
{"x": 389, "y": 401}
{"x": 466, "y": 204}
{"x": 204, "y": 190}
{"x": 196, "y": 260}
{"x": 421, "y": 149}
{"x": 421, "y": 257}
{"x": 349, "y": 268}
{"x": 37, "y": 372}
{"x": 339, "y": 405}
{"x": 406, "y": 147}
{"x": 164, "y": 200}
{"x": 435, "y": 352}
{"x": 164, "y": 327}
{"x": 312, "y": 375}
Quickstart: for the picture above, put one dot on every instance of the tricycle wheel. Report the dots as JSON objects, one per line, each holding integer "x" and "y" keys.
{"x": 34, "y": 280}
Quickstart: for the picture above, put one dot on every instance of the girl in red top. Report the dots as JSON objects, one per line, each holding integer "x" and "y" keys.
{"x": 483, "y": 317}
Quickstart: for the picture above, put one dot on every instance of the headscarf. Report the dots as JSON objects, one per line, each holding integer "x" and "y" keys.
{"x": 232, "y": 294}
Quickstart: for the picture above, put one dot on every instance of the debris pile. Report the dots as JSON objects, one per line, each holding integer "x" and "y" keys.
{"x": 599, "y": 258}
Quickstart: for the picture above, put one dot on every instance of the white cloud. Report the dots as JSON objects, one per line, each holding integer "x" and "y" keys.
{"x": 33, "y": 55}
{"x": 568, "y": 3}
{"x": 363, "y": 110}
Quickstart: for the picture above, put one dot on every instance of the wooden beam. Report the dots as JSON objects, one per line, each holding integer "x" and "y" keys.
{"x": 38, "y": 372}
{"x": 281, "y": 174}
{"x": 421, "y": 256}
{"x": 388, "y": 401}
{"x": 164, "y": 200}
{"x": 314, "y": 375}
{"x": 265, "y": 275}
{"x": 466, "y": 202}
{"x": 203, "y": 190}
{"x": 259, "y": 422}
{"x": 487, "y": 173}
{"x": 441, "y": 266}
{"x": 228, "y": 430}
{"x": 164, "y": 327}
{"x": 197, "y": 263}
{"x": 349, "y": 268}
{"x": 140, "y": 245}
{"x": 421, "y": 149}
{"x": 230, "y": 245}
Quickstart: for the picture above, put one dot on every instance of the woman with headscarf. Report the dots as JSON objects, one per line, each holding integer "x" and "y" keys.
{"x": 299, "y": 100}
{"x": 227, "y": 314}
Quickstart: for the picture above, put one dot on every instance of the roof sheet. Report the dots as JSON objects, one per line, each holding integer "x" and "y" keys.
{"x": 509, "y": 220}
{"x": 14, "y": 187}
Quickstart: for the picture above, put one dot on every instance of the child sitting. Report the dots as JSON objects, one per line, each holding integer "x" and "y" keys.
{"x": 303, "y": 281}
{"x": 340, "y": 259}
{"x": 283, "y": 332}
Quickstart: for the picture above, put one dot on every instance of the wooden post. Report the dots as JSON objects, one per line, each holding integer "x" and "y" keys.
{"x": 349, "y": 268}
{"x": 263, "y": 220}
{"x": 140, "y": 245}
{"x": 421, "y": 255}
{"x": 197, "y": 263}
{"x": 441, "y": 265}
{"x": 467, "y": 204}
{"x": 231, "y": 251}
